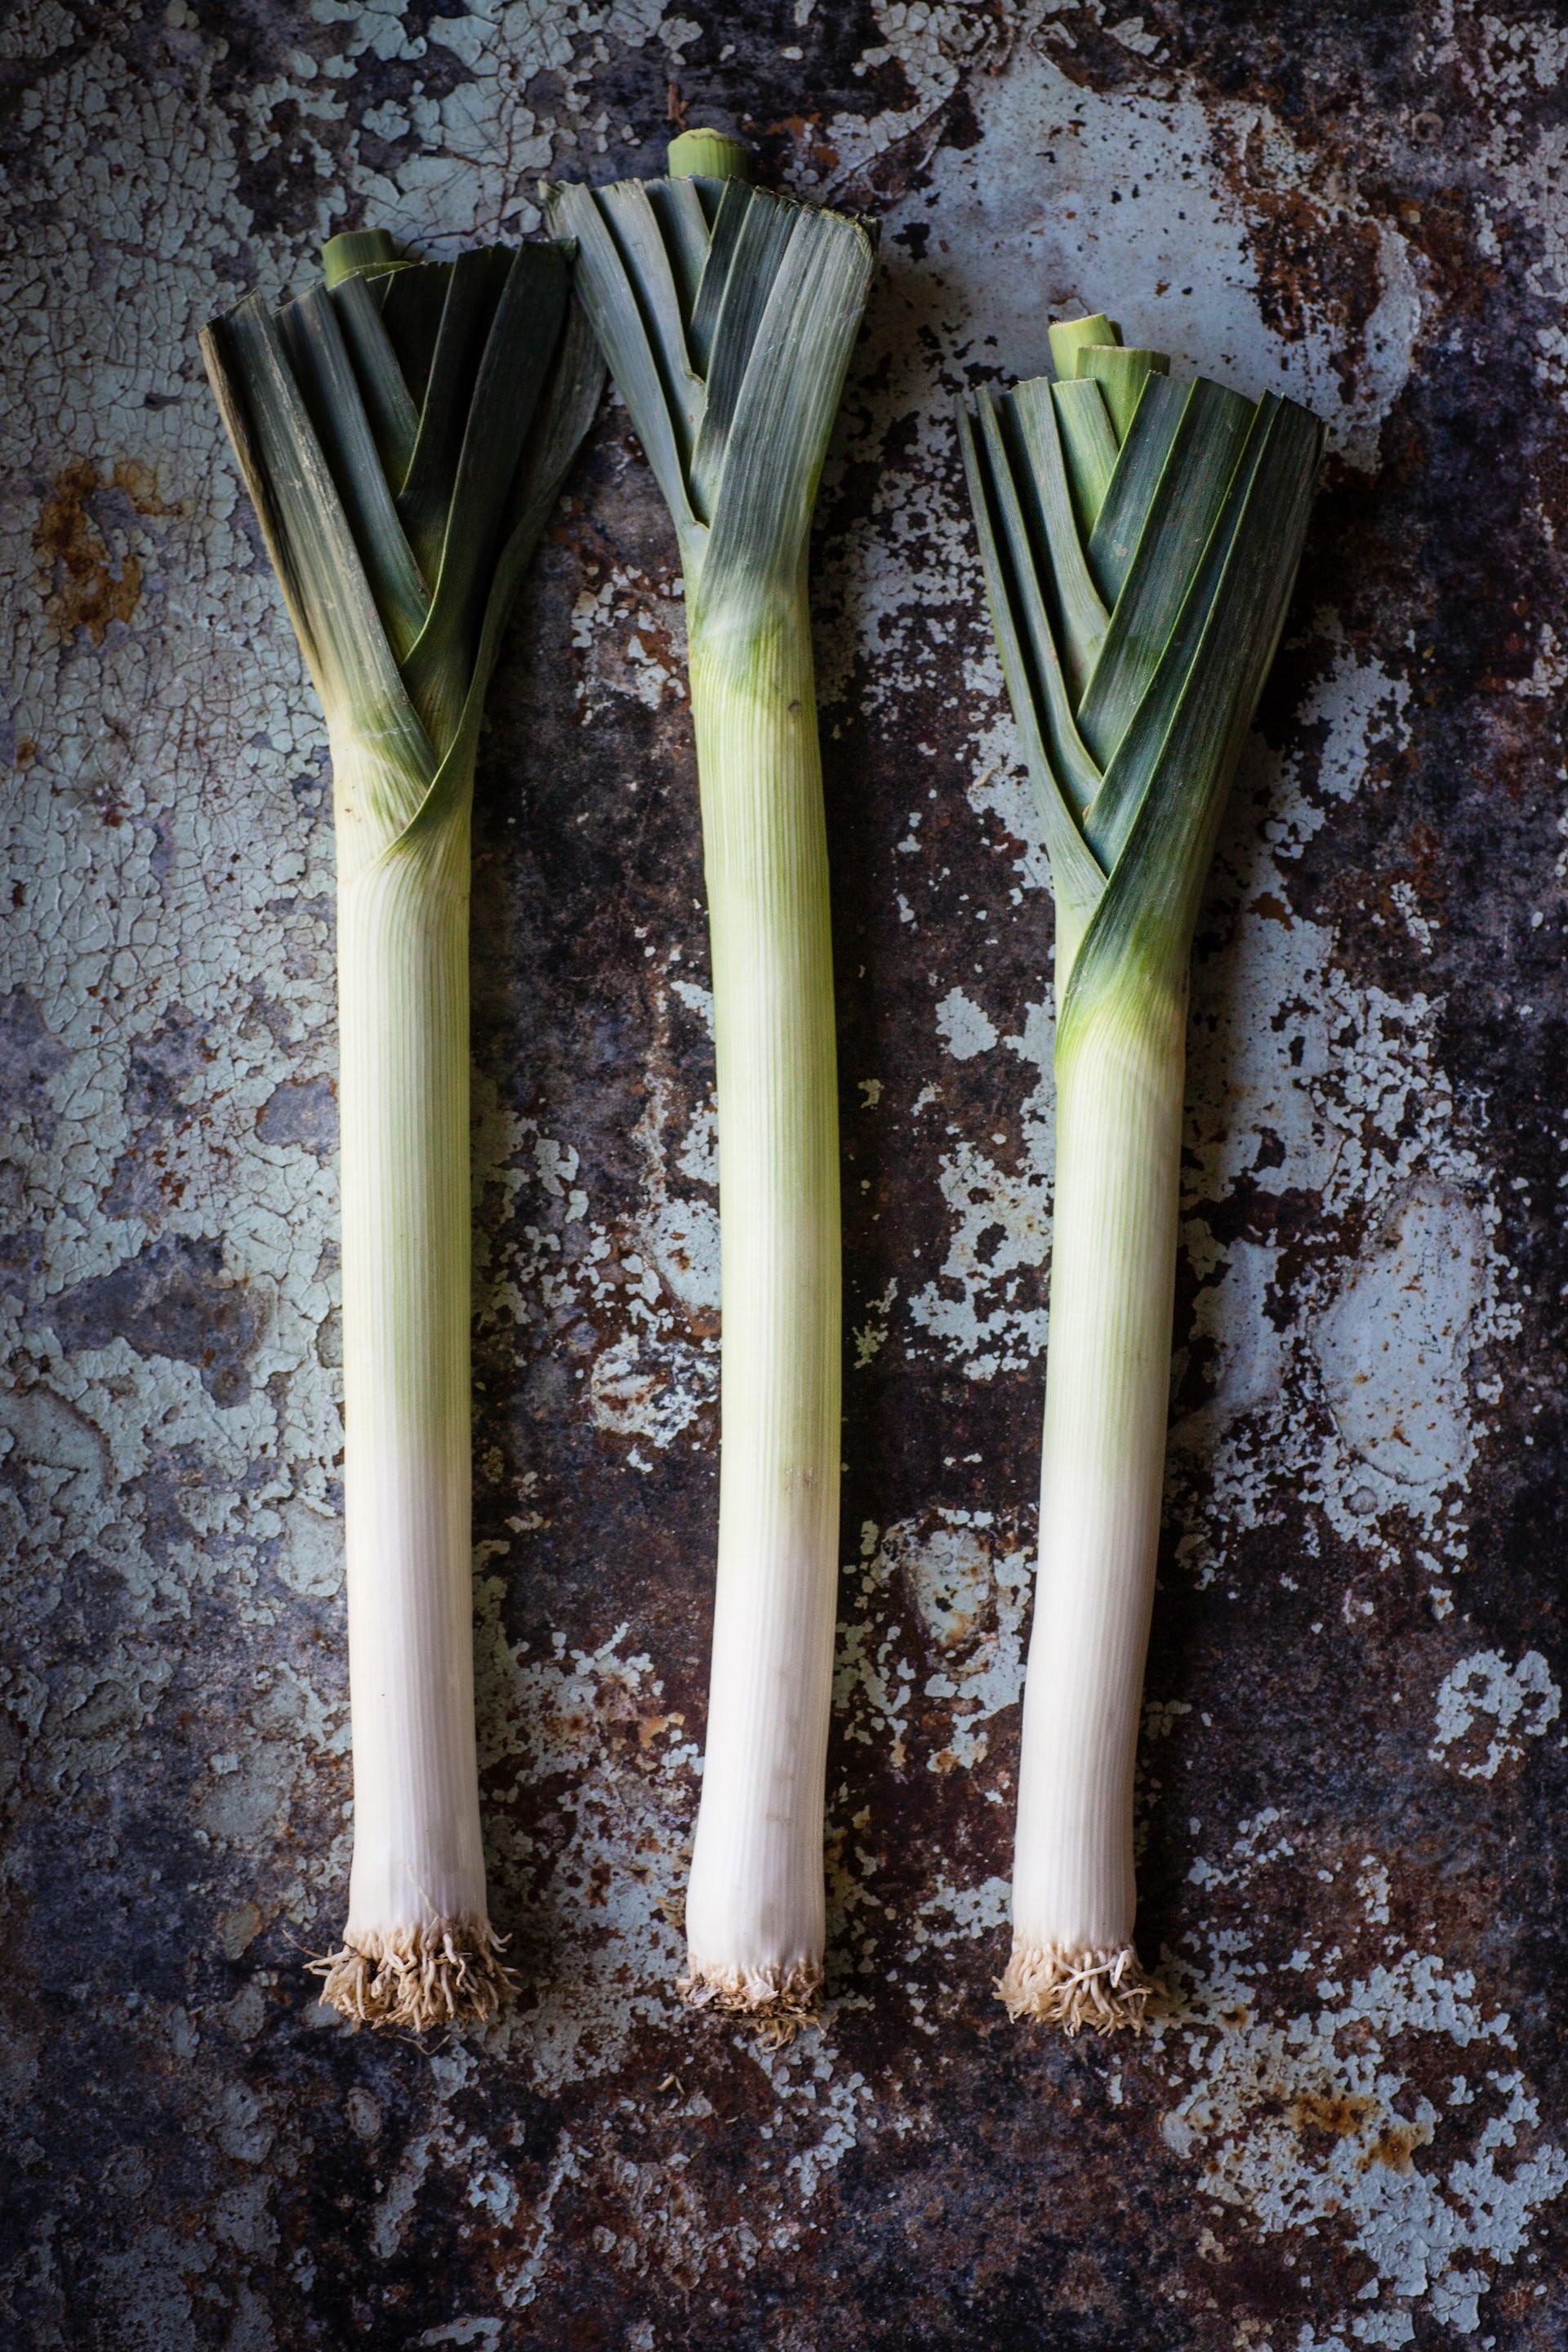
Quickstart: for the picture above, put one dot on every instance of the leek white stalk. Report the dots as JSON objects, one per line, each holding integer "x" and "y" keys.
{"x": 403, "y": 431}
{"x": 727, "y": 317}
{"x": 1139, "y": 538}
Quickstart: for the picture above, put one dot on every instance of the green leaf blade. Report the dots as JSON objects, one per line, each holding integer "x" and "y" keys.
{"x": 1076, "y": 877}
{"x": 1181, "y": 515}
{"x": 518, "y": 354}
{"x": 1041, "y": 479}
{"x": 1088, "y": 445}
{"x": 1139, "y": 464}
{"x": 564, "y": 412}
{"x": 474, "y": 284}
{"x": 1073, "y": 766}
{"x": 683, "y": 224}
{"x": 290, "y": 396}
{"x": 610, "y": 298}
{"x": 797, "y": 356}
{"x": 325, "y": 375}
{"x": 1121, "y": 375}
{"x": 644, "y": 259}
{"x": 765, "y": 230}
{"x": 393, "y": 419}
{"x": 1143, "y": 933}
{"x": 412, "y": 302}
{"x": 319, "y": 566}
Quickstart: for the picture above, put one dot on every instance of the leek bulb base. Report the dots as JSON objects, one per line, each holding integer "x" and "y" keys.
{"x": 441, "y": 1972}
{"x": 777, "y": 1999}
{"x": 1098, "y": 1988}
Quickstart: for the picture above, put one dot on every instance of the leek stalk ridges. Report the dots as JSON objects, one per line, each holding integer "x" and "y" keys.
{"x": 1140, "y": 539}
{"x": 402, "y": 431}
{"x": 727, "y": 317}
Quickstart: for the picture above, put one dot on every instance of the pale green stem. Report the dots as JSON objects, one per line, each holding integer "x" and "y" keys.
{"x": 417, "y": 1888}
{"x": 1119, "y": 1130}
{"x": 755, "y": 1907}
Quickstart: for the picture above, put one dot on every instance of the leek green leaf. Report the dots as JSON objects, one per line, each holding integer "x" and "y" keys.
{"x": 474, "y": 283}
{"x": 1079, "y": 777}
{"x": 355, "y": 251}
{"x": 1047, "y": 497}
{"x": 651, "y": 274}
{"x": 1180, "y": 516}
{"x": 1194, "y": 548}
{"x": 609, "y": 295}
{"x": 523, "y": 333}
{"x": 731, "y": 389}
{"x": 684, "y": 223}
{"x": 412, "y": 303}
{"x": 396, "y": 668}
{"x": 728, "y": 324}
{"x": 1140, "y": 463}
{"x": 326, "y": 377}
{"x": 393, "y": 419}
{"x": 1018, "y": 623}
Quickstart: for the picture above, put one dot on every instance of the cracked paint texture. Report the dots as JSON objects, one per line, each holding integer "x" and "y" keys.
{"x": 1351, "y": 2127}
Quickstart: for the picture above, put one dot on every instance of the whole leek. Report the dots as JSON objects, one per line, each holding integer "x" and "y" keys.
{"x": 727, "y": 317}
{"x": 1139, "y": 538}
{"x": 403, "y": 430}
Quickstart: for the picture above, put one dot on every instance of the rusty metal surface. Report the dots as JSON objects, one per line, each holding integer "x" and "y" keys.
{"x": 1353, "y": 1782}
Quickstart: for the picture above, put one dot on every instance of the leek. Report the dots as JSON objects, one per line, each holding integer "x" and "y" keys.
{"x": 1140, "y": 539}
{"x": 727, "y": 316}
{"x": 403, "y": 431}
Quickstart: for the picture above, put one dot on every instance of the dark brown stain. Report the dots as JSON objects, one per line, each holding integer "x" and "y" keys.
{"x": 1314, "y": 265}
{"x": 172, "y": 1299}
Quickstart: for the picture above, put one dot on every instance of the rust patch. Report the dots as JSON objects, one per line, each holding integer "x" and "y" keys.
{"x": 89, "y": 585}
{"x": 1395, "y": 2147}
{"x": 1338, "y": 2115}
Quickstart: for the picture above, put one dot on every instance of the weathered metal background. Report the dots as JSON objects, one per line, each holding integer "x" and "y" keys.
{"x": 1354, "y": 1771}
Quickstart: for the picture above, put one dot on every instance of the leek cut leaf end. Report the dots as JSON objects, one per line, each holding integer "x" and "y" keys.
{"x": 710, "y": 155}
{"x": 1140, "y": 538}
